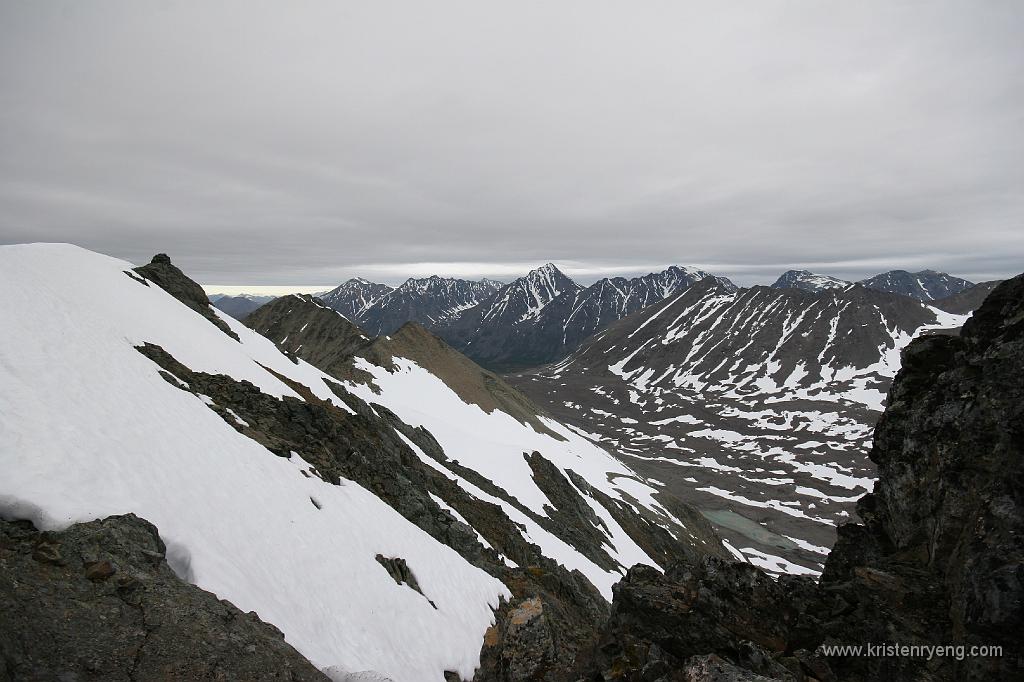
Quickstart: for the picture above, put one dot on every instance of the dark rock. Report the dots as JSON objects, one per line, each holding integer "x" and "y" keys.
{"x": 99, "y": 570}
{"x": 161, "y": 272}
{"x": 711, "y": 668}
{"x": 73, "y": 622}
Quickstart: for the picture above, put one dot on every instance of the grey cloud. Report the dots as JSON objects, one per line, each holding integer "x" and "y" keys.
{"x": 297, "y": 145}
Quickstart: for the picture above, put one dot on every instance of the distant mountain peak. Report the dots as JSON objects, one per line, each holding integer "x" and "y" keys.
{"x": 548, "y": 271}
{"x": 924, "y": 285}
{"x": 354, "y": 295}
{"x": 806, "y": 280}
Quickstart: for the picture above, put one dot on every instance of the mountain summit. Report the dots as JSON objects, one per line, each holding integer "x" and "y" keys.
{"x": 808, "y": 281}
{"x": 925, "y": 285}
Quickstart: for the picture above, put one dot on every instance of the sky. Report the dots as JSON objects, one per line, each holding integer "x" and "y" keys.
{"x": 294, "y": 145}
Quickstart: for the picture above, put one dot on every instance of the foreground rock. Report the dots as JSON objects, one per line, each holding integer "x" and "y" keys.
{"x": 99, "y": 601}
{"x": 938, "y": 561}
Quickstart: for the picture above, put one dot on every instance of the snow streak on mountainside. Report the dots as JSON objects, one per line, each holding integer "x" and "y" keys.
{"x": 808, "y": 281}
{"x": 545, "y": 315}
{"x": 433, "y": 301}
{"x": 372, "y": 517}
{"x": 759, "y": 402}
{"x": 926, "y": 285}
{"x": 354, "y": 296}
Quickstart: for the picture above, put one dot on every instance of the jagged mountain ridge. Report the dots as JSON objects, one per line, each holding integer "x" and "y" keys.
{"x": 435, "y": 302}
{"x": 545, "y": 315}
{"x": 255, "y": 464}
{"x": 756, "y": 404}
{"x": 925, "y": 285}
{"x": 353, "y": 296}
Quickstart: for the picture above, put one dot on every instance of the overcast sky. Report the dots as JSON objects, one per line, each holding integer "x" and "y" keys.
{"x": 300, "y": 143}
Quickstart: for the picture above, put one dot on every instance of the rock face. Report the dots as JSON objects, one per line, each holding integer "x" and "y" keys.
{"x": 926, "y": 285}
{"x": 937, "y": 561}
{"x": 948, "y": 510}
{"x": 99, "y": 601}
{"x": 165, "y": 275}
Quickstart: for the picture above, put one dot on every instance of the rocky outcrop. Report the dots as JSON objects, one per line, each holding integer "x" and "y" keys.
{"x": 938, "y": 560}
{"x": 168, "y": 277}
{"x": 302, "y": 326}
{"x": 947, "y": 513}
{"x": 99, "y": 601}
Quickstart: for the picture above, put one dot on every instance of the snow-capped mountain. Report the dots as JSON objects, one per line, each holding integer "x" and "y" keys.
{"x": 354, "y": 296}
{"x": 545, "y": 315}
{"x": 526, "y": 297}
{"x": 241, "y": 305}
{"x": 434, "y": 302}
{"x": 808, "y": 281}
{"x": 611, "y": 299}
{"x": 756, "y": 405}
{"x": 926, "y": 285}
{"x": 377, "y": 512}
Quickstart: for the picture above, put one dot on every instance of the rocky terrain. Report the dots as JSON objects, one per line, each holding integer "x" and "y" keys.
{"x": 756, "y": 405}
{"x": 99, "y": 601}
{"x": 936, "y": 561}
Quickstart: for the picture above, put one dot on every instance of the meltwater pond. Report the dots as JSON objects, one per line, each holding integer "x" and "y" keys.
{"x": 746, "y": 527}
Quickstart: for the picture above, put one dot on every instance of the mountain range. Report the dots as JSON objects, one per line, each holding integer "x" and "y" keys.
{"x": 543, "y": 316}
{"x": 381, "y": 507}
{"x": 925, "y": 285}
{"x": 393, "y": 509}
{"x": 758, "y": 403}
{"x": 533, "y": 320}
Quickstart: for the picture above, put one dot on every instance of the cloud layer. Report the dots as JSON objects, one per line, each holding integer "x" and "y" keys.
{"x": 298, "y": 144}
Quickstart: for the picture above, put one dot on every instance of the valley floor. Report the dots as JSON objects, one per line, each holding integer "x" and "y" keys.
{"x": 774, "y": 478}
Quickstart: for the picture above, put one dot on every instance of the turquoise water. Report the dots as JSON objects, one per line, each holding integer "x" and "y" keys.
{"x": 744, "y": 526}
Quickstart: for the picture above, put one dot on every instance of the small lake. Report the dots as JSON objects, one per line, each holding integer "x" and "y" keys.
{"x": 749, "y": 529}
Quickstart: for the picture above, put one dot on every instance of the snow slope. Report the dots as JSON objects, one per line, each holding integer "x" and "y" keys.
{"x": 493, "y": 444}
{"x": 88, "y": 428}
